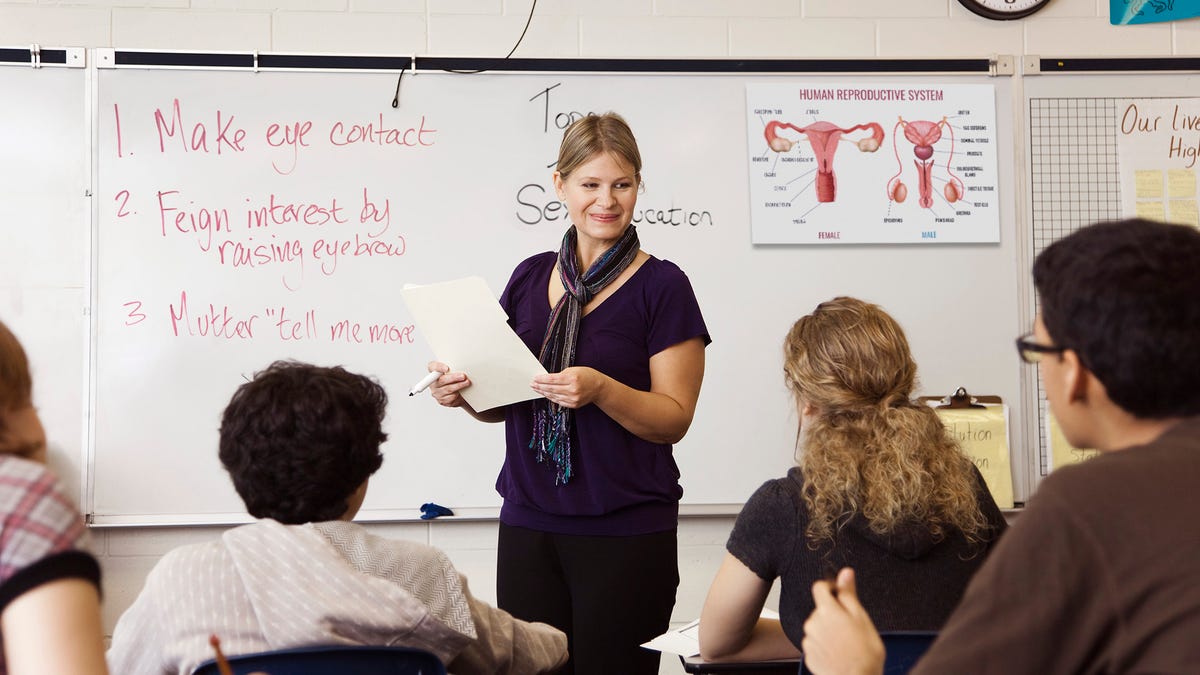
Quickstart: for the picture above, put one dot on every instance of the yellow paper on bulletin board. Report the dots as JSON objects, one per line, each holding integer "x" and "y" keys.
{"x": 983, "y": 435}
{"x": 1063, "y": 453}
{"x": 1181, "y": 183}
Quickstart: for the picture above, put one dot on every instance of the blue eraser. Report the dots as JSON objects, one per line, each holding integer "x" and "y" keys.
{"x": 429, "y": 511}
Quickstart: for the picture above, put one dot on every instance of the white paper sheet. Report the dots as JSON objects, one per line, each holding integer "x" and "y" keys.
{"x": 685, "y": 640}
{"x": 468, "y": 331}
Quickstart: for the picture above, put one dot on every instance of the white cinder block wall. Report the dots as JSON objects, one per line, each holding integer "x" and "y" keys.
{"x": 560, "y": 28}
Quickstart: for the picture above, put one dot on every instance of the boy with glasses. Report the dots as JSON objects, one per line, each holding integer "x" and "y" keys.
{"x": 1101, "y": 573}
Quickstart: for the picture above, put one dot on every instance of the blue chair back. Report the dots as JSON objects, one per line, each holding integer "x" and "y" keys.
{"x": 904, "y": 649}
{"x": 331, "y": 660}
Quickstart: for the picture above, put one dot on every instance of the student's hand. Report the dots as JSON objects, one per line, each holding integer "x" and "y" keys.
{"x": 446, "y": 388}
{"x": 574, "y": 387}
{"x": 839, "y": 637}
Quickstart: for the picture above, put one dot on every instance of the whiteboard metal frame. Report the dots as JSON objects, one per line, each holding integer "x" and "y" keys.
{"x": 1037, "y": 65}
{"x": 995, "y": 66}
{"x": 36, "y": 56}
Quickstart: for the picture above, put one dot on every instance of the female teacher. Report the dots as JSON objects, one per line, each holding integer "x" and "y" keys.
{"x": 591, "y": 492}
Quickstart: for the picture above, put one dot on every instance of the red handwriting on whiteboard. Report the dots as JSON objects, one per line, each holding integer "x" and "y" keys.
{"x": 288, "y": 136}
{"x": 377, "y": 333}
{"x": 202, "y": 222}
{"x": 291, "y": 329}
{"x": 386, "y": 332}
{"x": 123, "y": 197}
{"x": 117, "y": 120}
{"x": 329, "y": 252}
{"x": 377, "y": 133}
{"x": 346, "y": 331}
{"x": 250, "y": 254}
{"x": 135, "y": 315}
{"x": 220, "y": 323}
{"x": 280, "y": 213}
{"x": 374, "y": 214}
{"x": 228, "y": 136}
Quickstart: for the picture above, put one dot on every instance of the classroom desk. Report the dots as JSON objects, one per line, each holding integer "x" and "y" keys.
{"x": 695, "y": 664}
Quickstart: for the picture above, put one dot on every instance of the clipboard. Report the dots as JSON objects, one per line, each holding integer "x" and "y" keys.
{"x": 960, "y": 399}
{"x": 980, "y": 425}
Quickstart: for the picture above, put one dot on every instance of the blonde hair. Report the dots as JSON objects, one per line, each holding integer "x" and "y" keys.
{"x": 869, "y": 448}
{"x": 589, "y": 136}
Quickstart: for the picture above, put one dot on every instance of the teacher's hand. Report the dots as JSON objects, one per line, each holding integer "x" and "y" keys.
{"x": 446, "y": 388}
{"x": 574, "y": 387}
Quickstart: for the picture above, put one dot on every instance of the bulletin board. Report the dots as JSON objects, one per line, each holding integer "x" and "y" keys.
{"x": 1075, "y": 121}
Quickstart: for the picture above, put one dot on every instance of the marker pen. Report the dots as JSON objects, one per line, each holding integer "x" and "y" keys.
{"x": 424, "y": 383}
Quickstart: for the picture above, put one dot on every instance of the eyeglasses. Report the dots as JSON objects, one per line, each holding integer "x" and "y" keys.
{"x": 1032, "y": 352}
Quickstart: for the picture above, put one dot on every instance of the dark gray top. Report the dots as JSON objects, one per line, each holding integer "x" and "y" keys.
{"x": 907, "y": 580}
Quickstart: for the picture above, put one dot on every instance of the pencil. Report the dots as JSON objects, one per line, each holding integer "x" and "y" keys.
{"x": 222, "y": 664}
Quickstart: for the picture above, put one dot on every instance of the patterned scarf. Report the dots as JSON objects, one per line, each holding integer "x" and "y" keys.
{"x": 552, "y": 422}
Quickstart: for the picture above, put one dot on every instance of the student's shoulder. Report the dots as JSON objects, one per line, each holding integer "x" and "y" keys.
{"x": 21, "y": 476}
{"x": 1136, "y": 477}
{"x": 768, "y": 523}
{"x": 1176, "y": 450}
{"x": 777, "y": 494}
{"x": 1088, "y": 495}
{"x": 1071, "y": 483}
{"x": 33, "y": 494}
{"x": 788, "y": 485}
{"x": 371, "y": 550}
{"x": 38, "y": 517}
{"x": 198, "y": 563}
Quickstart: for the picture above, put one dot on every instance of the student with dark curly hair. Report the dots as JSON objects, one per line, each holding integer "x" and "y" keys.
{"x": 1101, "y": 573}
{"x": 879, "y": 485}
{"x": 300, "y": 443}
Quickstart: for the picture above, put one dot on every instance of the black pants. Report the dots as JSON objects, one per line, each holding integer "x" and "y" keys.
{"x": 608, "y": 594}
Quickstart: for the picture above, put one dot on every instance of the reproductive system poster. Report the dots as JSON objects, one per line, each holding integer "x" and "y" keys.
{"x": 840, "y": 163}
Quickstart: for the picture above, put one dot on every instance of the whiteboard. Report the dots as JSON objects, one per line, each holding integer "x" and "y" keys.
{"x": 457, "y": 184}
{"x": 44, "y": 179}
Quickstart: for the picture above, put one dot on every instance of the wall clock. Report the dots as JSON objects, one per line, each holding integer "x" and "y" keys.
{"x": 1004, "y": 9}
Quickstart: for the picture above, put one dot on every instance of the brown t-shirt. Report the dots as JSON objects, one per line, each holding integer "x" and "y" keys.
{"x": 1100, "y": 574}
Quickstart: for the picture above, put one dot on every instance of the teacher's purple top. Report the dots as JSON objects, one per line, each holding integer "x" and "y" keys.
{"x": 622, "y": 485}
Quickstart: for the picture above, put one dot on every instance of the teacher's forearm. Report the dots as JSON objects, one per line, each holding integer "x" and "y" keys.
{"x": 651, "y": 416}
